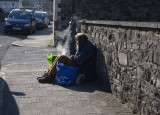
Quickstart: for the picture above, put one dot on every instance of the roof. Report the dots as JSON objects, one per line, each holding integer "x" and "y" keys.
{"x": 22, "y": 10}
{"x": 40, "y": 12}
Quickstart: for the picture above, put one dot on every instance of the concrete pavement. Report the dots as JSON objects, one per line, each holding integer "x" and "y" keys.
{"x": 23, "y": 95}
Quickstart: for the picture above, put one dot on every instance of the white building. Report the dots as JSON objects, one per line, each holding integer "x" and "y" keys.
{"x": 62, "y": 11}
{"x": 40, "y": 5}
{"x": 8, "y": 5}
{"x": 56, "y": 9}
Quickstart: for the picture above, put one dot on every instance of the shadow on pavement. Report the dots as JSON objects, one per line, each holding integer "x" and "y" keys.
{"x": 9, "y": 104}
{"x": 17, "y": 35}
{"x": 90, "y": 86}
{"x": 45, "y": 31}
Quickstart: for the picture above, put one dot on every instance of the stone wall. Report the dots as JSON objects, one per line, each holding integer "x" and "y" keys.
{"x": 118, "y": 10}
{"x": 128, "y": 60}
{"x": 123, "y": 10}
{"x": 65, "y": 13}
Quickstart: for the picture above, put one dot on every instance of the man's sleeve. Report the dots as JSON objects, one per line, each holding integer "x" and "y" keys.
{"x": 83, "y": 56}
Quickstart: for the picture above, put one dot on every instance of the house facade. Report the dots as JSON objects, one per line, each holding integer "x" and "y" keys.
{"x": 8, "y": 5}
{"x": 40, "y": 5}
{"x": 62, "y": 13}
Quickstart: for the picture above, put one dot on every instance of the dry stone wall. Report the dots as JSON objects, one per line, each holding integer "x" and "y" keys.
{"x": 128, "y": 60}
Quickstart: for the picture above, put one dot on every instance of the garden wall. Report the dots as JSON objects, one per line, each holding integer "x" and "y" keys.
{"x": 128, "y": 60}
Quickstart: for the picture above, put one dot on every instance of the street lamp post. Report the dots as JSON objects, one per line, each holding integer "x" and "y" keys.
{"x": 72, "y": 25}
{"x": 73, "y": 7}
{"x": 54, "y": 11}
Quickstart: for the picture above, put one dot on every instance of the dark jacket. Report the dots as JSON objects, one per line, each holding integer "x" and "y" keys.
{"x": 85, "y": 60}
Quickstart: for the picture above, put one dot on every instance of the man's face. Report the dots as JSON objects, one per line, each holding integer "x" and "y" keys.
{"x": 77, "y": 41}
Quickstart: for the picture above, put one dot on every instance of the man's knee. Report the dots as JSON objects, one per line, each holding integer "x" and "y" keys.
{"x": 62, "y": 58}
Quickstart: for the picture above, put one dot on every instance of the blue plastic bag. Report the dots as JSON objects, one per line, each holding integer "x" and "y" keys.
{"x": 65, "y": 75}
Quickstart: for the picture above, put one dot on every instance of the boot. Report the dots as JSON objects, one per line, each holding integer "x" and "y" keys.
{"x": 47, "y": 78}
{"x": 43, "y": 75}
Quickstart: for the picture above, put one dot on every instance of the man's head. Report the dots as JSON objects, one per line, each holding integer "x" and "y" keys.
{"x": 80, "y": 39}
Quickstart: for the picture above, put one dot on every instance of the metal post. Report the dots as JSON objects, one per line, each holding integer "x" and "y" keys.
{"x": 72, "y": 25}
{"x": 73, "y": 7}
{"x": 54, "y": 11}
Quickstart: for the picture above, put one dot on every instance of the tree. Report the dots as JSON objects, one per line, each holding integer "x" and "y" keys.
{"x": 26, "y": 3}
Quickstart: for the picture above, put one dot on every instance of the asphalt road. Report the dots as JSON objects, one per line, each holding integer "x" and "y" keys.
{"x": 7, "y": 40}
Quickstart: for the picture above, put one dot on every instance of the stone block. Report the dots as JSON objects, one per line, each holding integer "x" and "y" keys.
{"x": 124, "y": 45}
{"x": 158, "y": 83}
{"x": 144, "y": 46}
{"x": 119, "y": 89}
{"x": 119, "y": 46}
{"x": 147, "y": 24}
{"x": 158, "y": 58}
{"x": 129, "y": 45}
{"x": 123, "y": 60}
{"x": 140, "y": 72}
{"x": 151, "y": 54}
{"x": 113, "y": 56}
{"x": 135, "y": 46}
{"x": 109, "y": 50}
{"x": 108, "y": 59}
{"x": 147, "y": 66}
{"x": 93, "y": 35}
{"x": 116, "y": 36}
{"x": 111, "y": 37}
{"x": 144, "y": 37}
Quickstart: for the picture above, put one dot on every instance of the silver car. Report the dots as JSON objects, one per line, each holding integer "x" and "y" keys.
{"x": 45, "y": 17}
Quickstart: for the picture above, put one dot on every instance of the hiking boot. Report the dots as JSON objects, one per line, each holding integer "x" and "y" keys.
{"x": 47, "y": 78}
{"x": 45, "y": 74}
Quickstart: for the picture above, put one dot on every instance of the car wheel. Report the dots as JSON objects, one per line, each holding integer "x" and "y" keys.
{"x": 43, "y": 26}
{"x": 34, "y": 31}
{"x": 29, "y": 32}
{"x": 46, "y": 25}
{"x": 5, "y": 31}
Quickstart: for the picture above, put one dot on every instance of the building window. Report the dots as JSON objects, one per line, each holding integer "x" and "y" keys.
{"x": 12, "y": 5}
{"x": 60, "y": 5}
{"x": 5, "y": 5}
{"x": 63, "y": 18}
{"x": 59, "y": 13}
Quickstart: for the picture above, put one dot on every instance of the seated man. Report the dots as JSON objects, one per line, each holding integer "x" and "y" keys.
{"x": 84, "y": 59}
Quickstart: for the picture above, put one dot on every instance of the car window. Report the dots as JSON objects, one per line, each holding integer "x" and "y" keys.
{"x": 38, "y": 15}
{"x": 44, "y": 14}
{"x": 19, "y": 15}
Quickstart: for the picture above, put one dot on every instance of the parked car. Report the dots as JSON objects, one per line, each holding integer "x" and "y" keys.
{"x": 45, "y": 16}
{"x": 20, "y": 20}
{"x": 40, "y": 20}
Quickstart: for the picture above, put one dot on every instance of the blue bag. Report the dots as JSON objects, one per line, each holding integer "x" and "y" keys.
{"x": 65, "y": 75}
